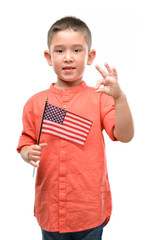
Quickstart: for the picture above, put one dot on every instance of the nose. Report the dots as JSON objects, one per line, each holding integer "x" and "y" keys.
{"x": 68, "y": 57}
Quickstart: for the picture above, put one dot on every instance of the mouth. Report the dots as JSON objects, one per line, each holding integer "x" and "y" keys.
{"x": 68, "y": 69}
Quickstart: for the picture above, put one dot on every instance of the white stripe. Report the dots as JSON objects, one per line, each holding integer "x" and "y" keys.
{"x": 74, "y": 125}
{"x": 63, "y": 131}
{"x": 76, "y": 121}
{"x": 65, "y": 137}
{"x": 66, "y": 127}
{"x": 80, "y": 118}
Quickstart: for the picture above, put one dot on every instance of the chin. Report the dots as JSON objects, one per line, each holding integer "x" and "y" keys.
{"x": 70, "y": 79}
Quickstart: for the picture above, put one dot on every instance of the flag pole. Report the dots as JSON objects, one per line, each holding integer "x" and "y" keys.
{"x": 41, "y": 129}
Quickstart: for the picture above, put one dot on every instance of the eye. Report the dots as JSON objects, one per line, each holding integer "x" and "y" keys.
{"x": 59, "y": 50}
{"x": 77, "y": 50}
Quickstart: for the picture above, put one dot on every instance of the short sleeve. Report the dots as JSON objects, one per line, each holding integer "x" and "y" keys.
{"x": 107, "y": 109}
{"x": 28, "y": 136}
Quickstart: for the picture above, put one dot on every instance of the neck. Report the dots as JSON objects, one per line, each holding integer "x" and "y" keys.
{"x": 60, "y": 84}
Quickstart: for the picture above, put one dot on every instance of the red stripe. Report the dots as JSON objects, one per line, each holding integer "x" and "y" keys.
{"x": 64, "y": 124}
{"x": 49, "y": 124}
{"x": 76, "y": 124}
{"x": 63, "y": 134}
{"x": 79, "y": 116}
{"x": 63, "y": 138}
{"x": 79, "y": 120}
{"x": 81, "y": 130}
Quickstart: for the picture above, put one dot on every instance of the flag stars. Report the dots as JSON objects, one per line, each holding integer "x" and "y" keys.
{"x": 54, "y": 114}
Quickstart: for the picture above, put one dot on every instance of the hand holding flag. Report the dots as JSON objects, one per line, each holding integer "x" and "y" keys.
{"x": 34, "y": 153}
{"x": 40, "y": 130}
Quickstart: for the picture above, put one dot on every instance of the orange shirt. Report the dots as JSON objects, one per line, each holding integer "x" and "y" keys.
{"x": 72, "y": 191}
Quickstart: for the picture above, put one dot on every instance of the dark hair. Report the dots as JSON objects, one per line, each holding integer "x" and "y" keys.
{"x": 70, "y": 23}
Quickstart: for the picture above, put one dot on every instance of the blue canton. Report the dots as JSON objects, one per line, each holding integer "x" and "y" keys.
{"x": 54, "y": 114}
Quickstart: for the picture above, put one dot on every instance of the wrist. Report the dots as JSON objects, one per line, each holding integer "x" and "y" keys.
{"x": 121, "y": 98}
{"x": 25, "y": 153}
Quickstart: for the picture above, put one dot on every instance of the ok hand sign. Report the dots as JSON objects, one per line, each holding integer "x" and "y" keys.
{"x": 109, "y": 81}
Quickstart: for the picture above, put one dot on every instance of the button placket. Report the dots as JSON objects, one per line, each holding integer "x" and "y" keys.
{"x": 63, "y": 173}
{"x": 64, "y": 106}
{"x": 65, "y": 99}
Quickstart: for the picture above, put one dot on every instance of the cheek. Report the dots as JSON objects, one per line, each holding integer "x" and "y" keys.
{"x": 83, "y": 60}
{"x": 56, "y": 64}
{"x": 82, "y": 64}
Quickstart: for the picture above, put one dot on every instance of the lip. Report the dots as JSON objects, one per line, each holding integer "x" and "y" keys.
{"x": 68, "y": 69}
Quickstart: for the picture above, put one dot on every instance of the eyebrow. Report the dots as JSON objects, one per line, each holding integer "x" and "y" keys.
{"x": 74, "y": 45}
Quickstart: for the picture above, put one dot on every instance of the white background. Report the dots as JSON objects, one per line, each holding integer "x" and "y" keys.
{"x": 121, "y": 36}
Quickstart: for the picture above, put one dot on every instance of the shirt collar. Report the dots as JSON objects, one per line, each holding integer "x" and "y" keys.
{"x": 75, "y": 89}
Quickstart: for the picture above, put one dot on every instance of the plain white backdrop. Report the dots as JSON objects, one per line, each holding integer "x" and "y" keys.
{"x": 121, "y": 37}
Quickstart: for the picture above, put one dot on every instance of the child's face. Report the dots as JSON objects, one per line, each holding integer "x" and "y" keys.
{"x": 69, "y": 55}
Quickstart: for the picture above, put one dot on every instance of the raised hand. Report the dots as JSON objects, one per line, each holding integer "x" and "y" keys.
{"x": 109, "y": 82}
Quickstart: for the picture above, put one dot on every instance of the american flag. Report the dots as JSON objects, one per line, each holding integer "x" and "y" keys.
{"x": 66, "y": 125}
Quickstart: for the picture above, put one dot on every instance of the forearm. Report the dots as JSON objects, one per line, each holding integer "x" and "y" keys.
{"x": 124, "y": 129}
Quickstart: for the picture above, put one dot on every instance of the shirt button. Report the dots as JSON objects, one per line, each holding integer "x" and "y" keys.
{"x": 64, "y": 106}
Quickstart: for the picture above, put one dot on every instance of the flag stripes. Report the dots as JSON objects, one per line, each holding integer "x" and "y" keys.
{"x": 64, "y": 124}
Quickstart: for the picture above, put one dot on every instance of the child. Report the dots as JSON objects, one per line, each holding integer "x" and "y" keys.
{"x": 72, "y": 192}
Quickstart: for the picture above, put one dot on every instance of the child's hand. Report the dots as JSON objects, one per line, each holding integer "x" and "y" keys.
{"x": 34, "y": 153}
{"x": 109, "y": 81}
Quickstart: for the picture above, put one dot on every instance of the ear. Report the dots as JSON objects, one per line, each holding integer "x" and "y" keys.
{"x": 48, "y": 57}
{"x": 91, "y": 56}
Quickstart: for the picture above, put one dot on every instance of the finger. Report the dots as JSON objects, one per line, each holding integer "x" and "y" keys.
{"x": 114, "y": 71}
{"x": 103, "y": 73}
{"x": 34, "y": 164}
{"x": 108, "y": 67}
{"x": 105, "y": 82}
{"x": 38, "y": 147}
{"x": 35, "y": 147}
{"x": 100, "y": 90}
{"x": 43, "y": 145}
{"x": 103, "y": 90}
{"x": 35, "y": 152}
{"x": 99, "y": 83}
{"x": 34, "y": 159}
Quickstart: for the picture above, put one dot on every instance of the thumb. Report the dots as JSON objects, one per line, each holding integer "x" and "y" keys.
{"x": 99, "y": 83}
{"x": 43, "y": 145}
